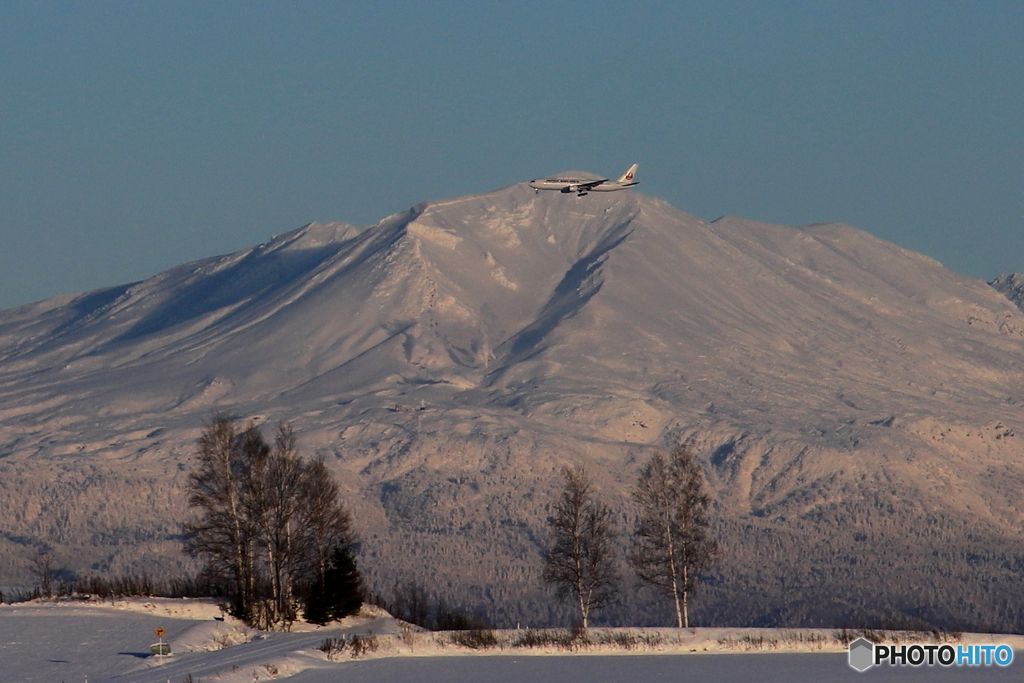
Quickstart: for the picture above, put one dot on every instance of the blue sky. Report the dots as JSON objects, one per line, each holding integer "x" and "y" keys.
{"x": 135, "y": 136}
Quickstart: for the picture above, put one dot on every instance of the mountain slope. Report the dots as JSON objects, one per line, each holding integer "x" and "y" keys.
{"x": 856, "y": 404}
{"x": 1011, "y": 285}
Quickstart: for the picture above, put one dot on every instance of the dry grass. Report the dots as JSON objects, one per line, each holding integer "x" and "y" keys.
{"x": 336, "y": 648}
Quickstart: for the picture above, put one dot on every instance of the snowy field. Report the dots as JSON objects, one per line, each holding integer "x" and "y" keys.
{"x": 96, "y": 642}
{"x": 730, "y": 668}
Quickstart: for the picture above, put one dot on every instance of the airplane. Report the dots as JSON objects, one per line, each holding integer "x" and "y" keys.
{"x": 583, "y": 186}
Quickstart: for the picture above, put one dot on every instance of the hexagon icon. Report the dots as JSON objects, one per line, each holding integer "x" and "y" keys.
{"x": 862, "y": 654}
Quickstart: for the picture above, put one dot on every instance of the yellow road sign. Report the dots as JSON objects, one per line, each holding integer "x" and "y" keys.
{"x": 159, "y": 633}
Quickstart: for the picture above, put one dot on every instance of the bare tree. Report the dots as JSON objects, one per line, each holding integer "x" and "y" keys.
{"x": 223, "y": 534}
{"x": 303, "y": 524}
{"x": 412, "y": 603}
{"x": 581, "y": 561}
{"x": 42, "y": 567}
{"x": 671, "y": 542}
{"x": 322, "y": 524}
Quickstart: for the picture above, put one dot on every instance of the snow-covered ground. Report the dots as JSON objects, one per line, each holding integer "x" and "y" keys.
{"x": 94, "y": 641}
{"x": 735, "y": 668}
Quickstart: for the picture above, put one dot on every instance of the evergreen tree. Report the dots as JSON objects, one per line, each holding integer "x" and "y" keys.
{"x": 339, "y": 593}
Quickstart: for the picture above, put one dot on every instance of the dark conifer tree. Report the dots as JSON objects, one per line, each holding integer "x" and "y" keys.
{"x": 339, "y": 593}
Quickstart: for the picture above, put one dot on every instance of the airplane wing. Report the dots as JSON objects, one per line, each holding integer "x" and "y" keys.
{"x": 590, "y": 184}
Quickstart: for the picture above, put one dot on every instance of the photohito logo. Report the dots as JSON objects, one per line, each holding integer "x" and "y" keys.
{"x": 864, "y": 654}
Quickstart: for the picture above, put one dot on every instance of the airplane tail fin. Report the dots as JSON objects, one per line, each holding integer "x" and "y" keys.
{"x": 627, "y": 177}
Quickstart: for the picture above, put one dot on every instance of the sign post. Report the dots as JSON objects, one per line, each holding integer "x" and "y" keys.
{"x": 160, "y": 649}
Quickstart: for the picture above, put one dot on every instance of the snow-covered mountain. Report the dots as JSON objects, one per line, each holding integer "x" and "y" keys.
{"x": 856, "y": 403}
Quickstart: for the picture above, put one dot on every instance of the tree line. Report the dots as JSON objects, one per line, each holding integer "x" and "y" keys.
{"x": 670, "y": 544}
{"x": 274, "y": 533}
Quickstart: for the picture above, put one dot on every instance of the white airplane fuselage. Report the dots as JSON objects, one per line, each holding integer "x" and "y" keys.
{"x": 582, "y": 186}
